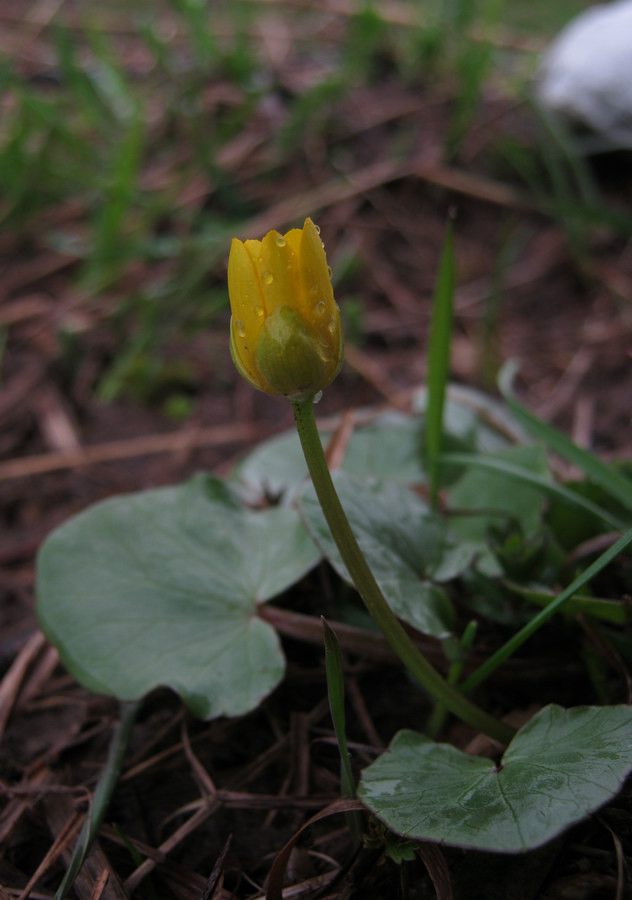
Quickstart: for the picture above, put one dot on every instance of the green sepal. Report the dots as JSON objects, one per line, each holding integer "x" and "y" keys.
{"x": 288, "y": 355}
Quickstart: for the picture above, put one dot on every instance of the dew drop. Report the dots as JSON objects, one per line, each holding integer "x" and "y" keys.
{"x": 331, "y": 325}
{"x": 317, "y": 228}
{"x": 241, "y": 328}
{"x": 329, "y": 272}
{"x": 259, "y": 311}
{"x": 320, "y": 307}
{"x": 280, "y": 241}
{"x": 268, "y": 277}
{"x": 317, "y": 397}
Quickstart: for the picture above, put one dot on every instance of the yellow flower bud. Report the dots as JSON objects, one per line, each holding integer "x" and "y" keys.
{"x": 285, "y": 332}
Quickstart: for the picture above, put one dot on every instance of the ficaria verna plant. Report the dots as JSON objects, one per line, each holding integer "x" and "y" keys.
{"x": 286, "y": 339}
{"x": 132, "y": 608}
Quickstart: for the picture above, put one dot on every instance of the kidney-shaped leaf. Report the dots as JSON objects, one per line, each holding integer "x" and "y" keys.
{"x": 402, "y": 541}
{"x": 161, "y": 588}
{"x": 563, "y": 765}
{"x": 388, "y": 446}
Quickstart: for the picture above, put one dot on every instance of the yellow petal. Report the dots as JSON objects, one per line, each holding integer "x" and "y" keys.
{"x": 279, "y": 274}
{"x": 246, "y": 302}
{"x": 294, "y": 238}
{"x": 320, "y": 306}
{"x": 244, "y": 363}
{"x": 253, "y": 247}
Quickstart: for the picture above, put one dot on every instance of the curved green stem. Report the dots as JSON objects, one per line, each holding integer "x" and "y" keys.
{"x": 368, "y": 588}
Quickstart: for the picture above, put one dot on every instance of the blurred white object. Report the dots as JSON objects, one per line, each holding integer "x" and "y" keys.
{"x": 586, "y": 74}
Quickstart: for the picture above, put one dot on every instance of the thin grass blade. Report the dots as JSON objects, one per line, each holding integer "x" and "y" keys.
{"x": 615, "y": 484}
{"x": 526, "y": 475}
{"x": 105, "y": 787}
{"x": 615, "y": 612}
{"x": 439, "y": 361}
{"x": 336, "y": 694}
{"x": 514, "y": 643}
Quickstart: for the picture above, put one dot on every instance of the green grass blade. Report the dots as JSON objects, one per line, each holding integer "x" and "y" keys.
{"x": 76, "y": 81}
{"x": 439, "y": 361}
{"x": 458, "y": 659}
{"x": 336, "y": 694}
{"x": 529, "y": 477}
{"x": 112, "y": 244}
{"x": 613, "y": 611}
{"x": 198, "y": 18}
{"x": 105, "y": 788}
{"x": 514, "y": 643}
{"x": 616, "y": 485}
{"x": 110, "y": 82}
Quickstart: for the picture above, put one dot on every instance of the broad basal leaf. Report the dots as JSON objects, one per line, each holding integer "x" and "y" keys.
{"x": 388, "y": 447}
{"x": 161, "y": 588}
{"x": 563, "y": 765}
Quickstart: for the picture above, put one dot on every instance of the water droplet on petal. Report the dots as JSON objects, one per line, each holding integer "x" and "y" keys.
{"x": 259, "y": 311}
{"x": 280, "y": 241}
{"x": 317, "y": 397}
{"x": 268, "y": 277}
{"x": 331, "y": 325}
{"x": 317, "y": 228}
{"x": 320, "y": 307}
{"x": 329, "y": 272}
{"x": 241, "y": 328}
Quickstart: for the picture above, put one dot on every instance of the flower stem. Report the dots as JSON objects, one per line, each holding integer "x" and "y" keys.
{"x": 368, "y": 588}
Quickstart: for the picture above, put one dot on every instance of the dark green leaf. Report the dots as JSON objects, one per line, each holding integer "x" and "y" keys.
{"x": 560, "y": 767}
